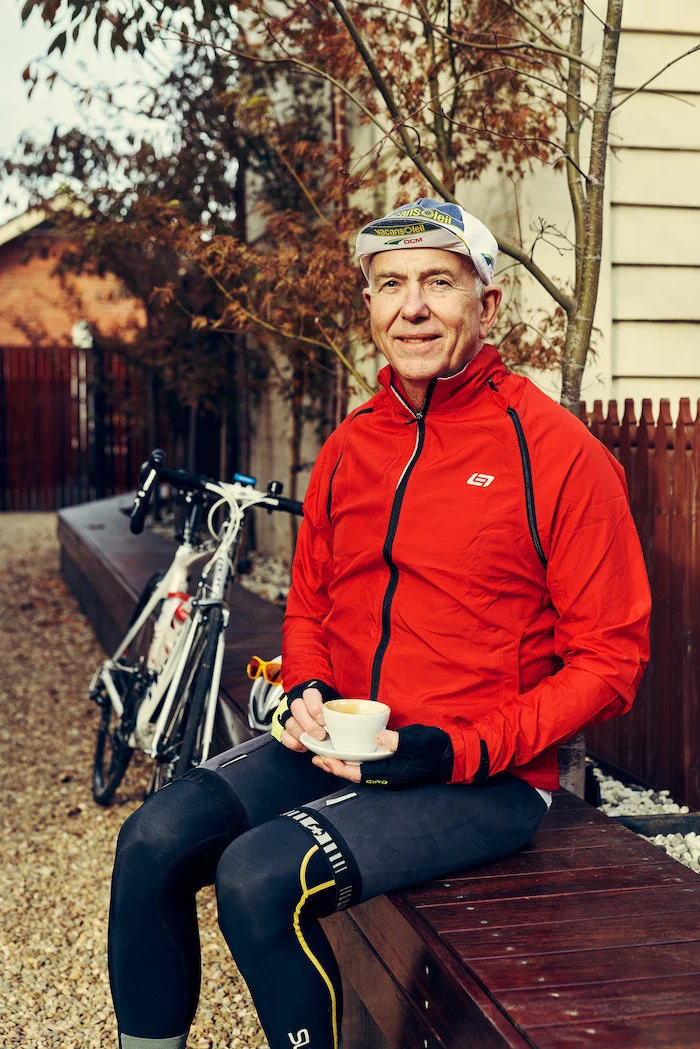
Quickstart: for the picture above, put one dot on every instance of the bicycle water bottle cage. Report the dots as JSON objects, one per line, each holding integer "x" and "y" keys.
{"x": 243, "y": 479}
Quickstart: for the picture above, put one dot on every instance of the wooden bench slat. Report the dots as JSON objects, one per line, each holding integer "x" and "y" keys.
{"x": 621, "y": 931}
{"x": 546, "y": 861}
{"x": 677, "y": 1031}
{"x": 581, "y": 966}
{"x": 656, "y": 996}
{"x": 578, "y": 837}
{"x": 553, "y": 909}
{"x": 557, "y": 883}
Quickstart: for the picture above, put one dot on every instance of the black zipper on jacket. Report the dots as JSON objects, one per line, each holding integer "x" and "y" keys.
{"x": 527, "y": 477}
{"x": 529, "y": 492}
{"x": 419, "y": 417}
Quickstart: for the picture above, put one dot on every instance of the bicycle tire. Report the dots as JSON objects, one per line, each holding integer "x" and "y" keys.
{"x": 112, "y": 749}
{"x": 177, "y": 749}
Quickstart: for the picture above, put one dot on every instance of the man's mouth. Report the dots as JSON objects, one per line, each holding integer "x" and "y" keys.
{"x": 408, "y": 339}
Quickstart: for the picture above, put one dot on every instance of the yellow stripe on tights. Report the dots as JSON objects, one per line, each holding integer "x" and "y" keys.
{"x": 305, "y": 893}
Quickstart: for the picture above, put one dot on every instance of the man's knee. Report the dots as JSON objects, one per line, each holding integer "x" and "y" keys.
{"x": 258, "y": 882}
{"x": 178, "y": 834}
{"x": 148, "y": 843}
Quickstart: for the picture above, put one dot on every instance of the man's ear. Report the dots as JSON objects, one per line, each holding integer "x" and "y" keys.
{"x": 367, "y": 296}
{"x": 490, "y": 302}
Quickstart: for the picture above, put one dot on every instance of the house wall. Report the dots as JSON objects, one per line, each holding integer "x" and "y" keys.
{"x": 647, "y": 342}
{"x": 654, "y": 218}
{"x": 37, "y": 308}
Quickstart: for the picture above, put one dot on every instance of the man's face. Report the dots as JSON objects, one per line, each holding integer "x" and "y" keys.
{"x": 424, "y": 312}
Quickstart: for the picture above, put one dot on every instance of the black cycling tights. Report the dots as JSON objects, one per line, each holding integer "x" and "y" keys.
{"x": 275, "y": 876}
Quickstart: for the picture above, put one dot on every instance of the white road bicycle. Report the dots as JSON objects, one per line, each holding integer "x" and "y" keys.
{"x": 159, "y": 690}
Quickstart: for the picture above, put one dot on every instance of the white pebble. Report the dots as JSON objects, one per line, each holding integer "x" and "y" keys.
{"x": 620, "y": 800}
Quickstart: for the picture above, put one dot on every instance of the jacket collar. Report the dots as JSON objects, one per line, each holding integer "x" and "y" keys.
{"x": 454, "y": 391}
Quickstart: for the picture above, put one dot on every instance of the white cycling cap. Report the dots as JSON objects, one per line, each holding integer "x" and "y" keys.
{"x": 430, "y": 224}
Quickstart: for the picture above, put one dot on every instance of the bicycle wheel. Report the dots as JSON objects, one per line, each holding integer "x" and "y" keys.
{"x": 180, "y": 746}
{"x": 131, "y": 678}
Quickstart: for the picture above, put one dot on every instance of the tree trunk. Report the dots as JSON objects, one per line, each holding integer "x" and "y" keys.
{"x": 589, "y": 238}
{"x": 578, "y": 334}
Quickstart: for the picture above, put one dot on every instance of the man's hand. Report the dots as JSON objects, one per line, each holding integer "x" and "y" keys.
{"x": 387, "y": 740}
{"x": 421, "y": 754}
{"x": 307, "y": 716}
{"x": 301, "y": 710}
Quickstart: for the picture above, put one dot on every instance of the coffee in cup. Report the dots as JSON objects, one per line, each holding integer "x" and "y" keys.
{"x": 353, "y": 724}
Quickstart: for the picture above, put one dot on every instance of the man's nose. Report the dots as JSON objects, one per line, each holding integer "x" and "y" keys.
{"x": 414, "y": 306}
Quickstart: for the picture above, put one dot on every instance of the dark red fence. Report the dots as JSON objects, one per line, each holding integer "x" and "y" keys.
{"x": 659, "y": 740}
{"x": 74, "y": 425}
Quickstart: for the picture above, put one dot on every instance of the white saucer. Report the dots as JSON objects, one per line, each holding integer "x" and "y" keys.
{"x": 325, "y": 748}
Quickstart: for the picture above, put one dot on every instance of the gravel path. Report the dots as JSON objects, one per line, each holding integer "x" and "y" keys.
{"x": 56, "y": 844}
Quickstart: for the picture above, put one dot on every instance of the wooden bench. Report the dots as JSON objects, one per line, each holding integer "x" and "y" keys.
{"x": 588, "y": 937}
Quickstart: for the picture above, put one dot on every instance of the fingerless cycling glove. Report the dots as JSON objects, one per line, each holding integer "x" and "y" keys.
{"x": 282, "y": 714}
{"x": 424, "y": 755}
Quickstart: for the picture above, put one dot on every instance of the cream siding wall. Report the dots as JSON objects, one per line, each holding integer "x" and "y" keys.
{"x": 654, "y": 219}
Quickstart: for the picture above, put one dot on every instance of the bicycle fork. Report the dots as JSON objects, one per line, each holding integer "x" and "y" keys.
{"x": 212, "y": 698}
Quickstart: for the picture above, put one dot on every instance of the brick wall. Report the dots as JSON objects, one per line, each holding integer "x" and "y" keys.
{"x": 37, "y": 307}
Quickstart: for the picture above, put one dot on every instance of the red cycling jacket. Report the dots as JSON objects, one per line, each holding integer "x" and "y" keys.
{"x": 474, "y": 565}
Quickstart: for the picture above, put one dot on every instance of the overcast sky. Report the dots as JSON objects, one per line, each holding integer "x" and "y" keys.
{"x": 22, "y": 44}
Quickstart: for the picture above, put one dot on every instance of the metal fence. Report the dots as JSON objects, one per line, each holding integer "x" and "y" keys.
{"x": 659, "y": 740}
{"x": 74, "y": 425}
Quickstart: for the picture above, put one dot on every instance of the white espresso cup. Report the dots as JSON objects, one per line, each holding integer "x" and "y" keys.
{"x": 353, "y": 724}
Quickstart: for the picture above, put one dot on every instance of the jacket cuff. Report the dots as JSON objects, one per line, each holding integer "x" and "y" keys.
{"x": 472, "y": 763}
{"x": 327, "y": 691}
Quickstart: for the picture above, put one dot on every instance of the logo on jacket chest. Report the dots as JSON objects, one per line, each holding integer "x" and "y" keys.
{"x": 480, "y": 480}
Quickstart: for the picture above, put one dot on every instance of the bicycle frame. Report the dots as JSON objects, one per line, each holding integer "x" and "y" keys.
{"x": 185, "y": 555}
{"x": 173, "y": 691}
{"x": 163, "y": 689}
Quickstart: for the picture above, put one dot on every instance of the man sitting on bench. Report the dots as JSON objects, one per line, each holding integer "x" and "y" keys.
{"x": 468, "y": 557}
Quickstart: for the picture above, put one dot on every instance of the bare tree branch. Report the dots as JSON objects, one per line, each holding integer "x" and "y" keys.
{"x": 521, "y": 138}
{"x": 537, "y": 26}
{"x": 529, "y": 45}
{"x": 646, "y": 83}
{"x": 433, "y": 100}
{"x": 517, "y": 45}
{"x": 557, "y": 45}
{"x": 526, "y": 75}
{"x": 386, "y": 94}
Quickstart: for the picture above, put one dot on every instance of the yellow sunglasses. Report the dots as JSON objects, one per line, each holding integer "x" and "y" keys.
{"x": 270, "y": 669}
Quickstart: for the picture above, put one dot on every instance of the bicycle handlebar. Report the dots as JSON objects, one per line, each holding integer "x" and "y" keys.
{"x": 150, "y": 472}
{"x": 153, "y": 471}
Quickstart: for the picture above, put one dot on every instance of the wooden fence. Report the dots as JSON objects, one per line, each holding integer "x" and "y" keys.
{"x": 659, "y": 740}
{"x": 74, "y": 426}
